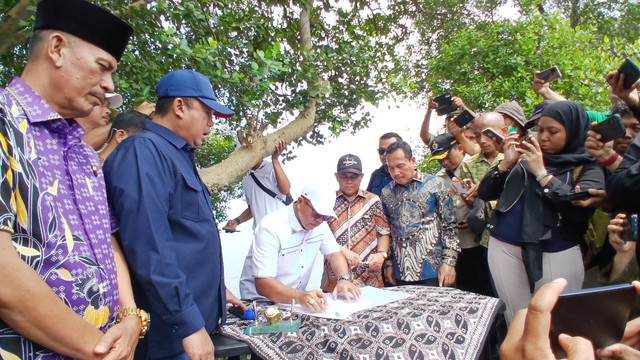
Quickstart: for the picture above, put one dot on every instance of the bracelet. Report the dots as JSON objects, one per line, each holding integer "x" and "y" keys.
{"x": 610, "y": 160}
{"x": 542, "y": 176}
{"x": 237, "y": 221}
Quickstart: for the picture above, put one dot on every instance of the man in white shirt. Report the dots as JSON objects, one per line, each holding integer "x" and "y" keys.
{"x": 284, "y": 250}
{"x": 272, "y": 176}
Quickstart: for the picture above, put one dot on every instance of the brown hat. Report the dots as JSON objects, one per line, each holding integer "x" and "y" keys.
{"x": 513, "y": 110}
{"x": 86, "y": 21}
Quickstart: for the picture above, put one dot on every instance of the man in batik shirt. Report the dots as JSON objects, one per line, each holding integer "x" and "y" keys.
{"x": 424, "y": 233}
{"x": 361, "y": 229}
{"x": 62, "y": 284}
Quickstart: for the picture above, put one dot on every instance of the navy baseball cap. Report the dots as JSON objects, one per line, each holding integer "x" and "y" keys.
{"x": 189, "y": 83}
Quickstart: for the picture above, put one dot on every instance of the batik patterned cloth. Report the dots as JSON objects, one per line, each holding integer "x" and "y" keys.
{"x": 424, "y": 231}
{"x": 357, "y": 227}
{"x": 53, "y": 202}
{"x": 433, "y": 323}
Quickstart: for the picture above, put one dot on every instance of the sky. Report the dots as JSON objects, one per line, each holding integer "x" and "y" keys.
{"x": 317, "y": 165}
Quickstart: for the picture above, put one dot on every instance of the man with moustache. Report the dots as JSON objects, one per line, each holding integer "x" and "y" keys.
{"x": 361, "y": 227}
{"x": 424, "y": 236}
{"x": 64, "y": 281}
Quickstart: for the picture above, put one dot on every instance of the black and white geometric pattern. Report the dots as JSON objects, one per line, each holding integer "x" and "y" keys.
{"x": 433, "y": 323}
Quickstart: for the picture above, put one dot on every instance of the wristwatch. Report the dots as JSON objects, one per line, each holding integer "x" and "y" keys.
{"x": 145, "y": 318}
{"x": 347, "y": 277}
{"x": 384, "y": 254}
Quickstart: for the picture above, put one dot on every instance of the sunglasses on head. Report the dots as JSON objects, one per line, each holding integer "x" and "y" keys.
{"x": 314, "y": 213}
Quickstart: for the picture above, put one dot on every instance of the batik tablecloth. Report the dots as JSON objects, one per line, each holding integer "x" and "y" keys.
{"x": 433, "y": 323}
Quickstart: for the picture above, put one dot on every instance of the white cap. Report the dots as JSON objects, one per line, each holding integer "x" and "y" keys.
{"x": 321, "y": 199}
{"x": 115, "y": 100}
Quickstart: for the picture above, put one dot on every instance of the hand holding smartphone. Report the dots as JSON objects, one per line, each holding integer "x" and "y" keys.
{"x": 610, "y": 128}
{"x": 550, "y": 75}
{"x": 580, "y": 195}
{"x": 597, "y": 314}
{"x": 631, "y": 72}
{"x": 460, "y": 188}
{"x": 464, "y": 118}
{"x": 493, "y": 135}
{"x": 445, "y": 105}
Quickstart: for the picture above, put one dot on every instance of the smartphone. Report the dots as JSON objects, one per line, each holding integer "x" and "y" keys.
{"x": 550, "y": 75}
{"x": 630, "y": 228}
{"x": 464, "y": 118}
{"x": 459, "y": 187}
{"x": 580, "y": 195}
{"x": 444, "y": 104}
{"x": 597, "y": 314}
{"x": 493, "y": 135}
{"x": 610, "y": 128}
{"x": 631, "y": 72}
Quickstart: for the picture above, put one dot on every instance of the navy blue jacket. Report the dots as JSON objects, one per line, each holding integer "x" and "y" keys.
{"x": 168, "y": 235}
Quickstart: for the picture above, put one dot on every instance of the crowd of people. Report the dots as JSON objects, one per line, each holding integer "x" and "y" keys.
{"x": 104, "y": 222}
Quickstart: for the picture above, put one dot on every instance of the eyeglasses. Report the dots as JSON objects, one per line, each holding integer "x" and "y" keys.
{"x": 381, "y": 151}
{"x": 314, "y": 213}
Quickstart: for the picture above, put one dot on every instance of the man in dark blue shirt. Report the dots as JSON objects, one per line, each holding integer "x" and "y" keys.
{"x": 167, "y": 230}
{"x": 381, "y": 177}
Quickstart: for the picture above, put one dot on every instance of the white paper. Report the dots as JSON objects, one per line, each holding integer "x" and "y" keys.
{"x": 341, "y": 309}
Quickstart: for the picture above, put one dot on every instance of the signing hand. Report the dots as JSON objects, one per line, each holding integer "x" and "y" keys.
{"x": 120, "y": 341}
{"x": 446, "y": 275}
{"x": 348, "y": 289}
{"x": 528, "y": 336}
{"x": 314, "y": 300}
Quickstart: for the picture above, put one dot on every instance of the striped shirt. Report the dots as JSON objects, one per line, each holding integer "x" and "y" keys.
{"x": 357, "y": 227}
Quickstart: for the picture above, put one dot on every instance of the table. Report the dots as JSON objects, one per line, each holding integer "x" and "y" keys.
{"x": 433, "y": 323}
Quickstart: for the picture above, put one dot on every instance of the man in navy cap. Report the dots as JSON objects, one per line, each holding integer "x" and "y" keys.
{"x": 62, "y": 283}
{"x": 168, "y": 232}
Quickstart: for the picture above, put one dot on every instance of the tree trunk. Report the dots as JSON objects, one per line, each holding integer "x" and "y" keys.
{"x": 12, "y": 33}
{"x": 226, "y": 172}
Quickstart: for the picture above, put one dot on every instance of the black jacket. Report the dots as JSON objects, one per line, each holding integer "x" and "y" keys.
{"x": 543, "y": 208}
{"x": 623, "y": 186}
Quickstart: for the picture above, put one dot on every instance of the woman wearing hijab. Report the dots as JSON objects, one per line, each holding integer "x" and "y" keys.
{"x": 536, "y": 235}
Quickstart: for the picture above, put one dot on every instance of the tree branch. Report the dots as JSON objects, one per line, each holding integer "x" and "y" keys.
{"x": 12, "y": 32}
{"x": 240, "y": 161}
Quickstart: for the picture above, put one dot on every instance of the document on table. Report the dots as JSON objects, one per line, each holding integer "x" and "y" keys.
{"x": 341, "y": 309}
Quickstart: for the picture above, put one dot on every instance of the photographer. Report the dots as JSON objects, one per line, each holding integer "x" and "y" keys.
{"x": 622, "y": 186}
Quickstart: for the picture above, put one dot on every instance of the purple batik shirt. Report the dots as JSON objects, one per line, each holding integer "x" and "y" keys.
{"x": 53, "y": 202}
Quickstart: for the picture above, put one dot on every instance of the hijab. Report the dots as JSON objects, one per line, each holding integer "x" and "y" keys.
{"x": 576, "y": 123}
